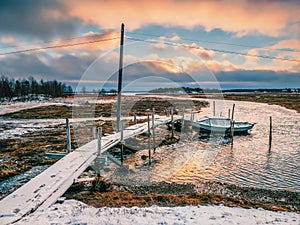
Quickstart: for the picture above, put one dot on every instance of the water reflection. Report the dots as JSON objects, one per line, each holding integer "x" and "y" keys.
{"x": 248, "y": 161}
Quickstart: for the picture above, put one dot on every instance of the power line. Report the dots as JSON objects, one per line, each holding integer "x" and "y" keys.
{"x": 57, "y": 46}
{"x": 213, "y": 49}
{"x": 214, "y": 42}
{"x": 52, "y": 41}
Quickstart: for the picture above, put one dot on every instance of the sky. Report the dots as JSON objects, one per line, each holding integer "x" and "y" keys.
{"x": 170, "y": 43}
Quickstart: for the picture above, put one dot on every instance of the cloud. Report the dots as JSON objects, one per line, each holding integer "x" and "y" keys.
{"x": 259, "y": 78}
{"x": 36, "y": 18}
{"x": 159, "y": 46}
{"x": 289, "y": 45}
{"x": 8, "y": 40}
{"x": 41, "y": 66}
{"x": 241, "y": 17}
{"x": 201, "y": 52}
{"x": 175, "y": 37}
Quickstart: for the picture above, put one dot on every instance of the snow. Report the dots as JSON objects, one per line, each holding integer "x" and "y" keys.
{"x": 75, "y": 212}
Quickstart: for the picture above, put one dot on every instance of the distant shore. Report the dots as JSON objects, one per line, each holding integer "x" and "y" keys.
{"x": 287, "y": 100}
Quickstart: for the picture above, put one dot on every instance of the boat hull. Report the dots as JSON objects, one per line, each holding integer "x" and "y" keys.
{"x": 239, "y": 127}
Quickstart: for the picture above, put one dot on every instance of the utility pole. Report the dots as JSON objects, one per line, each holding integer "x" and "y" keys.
{"x": 120, "y": 78}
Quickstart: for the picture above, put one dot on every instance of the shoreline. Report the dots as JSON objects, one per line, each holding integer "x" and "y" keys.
{"x": 102, "y": 193}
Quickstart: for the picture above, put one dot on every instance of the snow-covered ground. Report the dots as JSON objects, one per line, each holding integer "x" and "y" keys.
{"x": 75, "y": 212}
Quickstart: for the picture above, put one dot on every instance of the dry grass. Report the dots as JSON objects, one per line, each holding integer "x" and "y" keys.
{"x": 287, "y": 100}
{"x": 128, "y": 198}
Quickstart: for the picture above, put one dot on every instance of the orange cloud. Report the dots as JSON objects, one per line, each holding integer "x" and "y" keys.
{"x": 8, "y": 40}
{"x": 201, "y": 52}
{"x": 241, "y": 17}
{"x": 287, "y": 44}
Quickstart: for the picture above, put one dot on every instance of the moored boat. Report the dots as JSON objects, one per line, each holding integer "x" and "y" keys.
{"x": 221, "y": 125}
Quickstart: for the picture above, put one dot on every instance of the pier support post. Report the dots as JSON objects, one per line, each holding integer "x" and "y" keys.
{"x": 149, "y": 141}
{"x": 122, "y": 142}
{"x": 214, "y": 108}
{"x": 182, "y": 121}
{"x": 153, "y": 130}
{"x": 134, "y": 119}
{"x": 99, "y": 140}
{"x": 172, "y": 121}
{"x": 68, "y": 135}
{"x": 94, "y": 133}
{"x": 270, "y": 134}
{"x": 232, "y": 115}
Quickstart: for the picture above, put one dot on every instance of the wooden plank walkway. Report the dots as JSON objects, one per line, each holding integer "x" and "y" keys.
{"x": 47, "y": 187}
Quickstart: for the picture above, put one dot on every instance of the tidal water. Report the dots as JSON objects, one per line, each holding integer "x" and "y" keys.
{"x": 248, "y": 162}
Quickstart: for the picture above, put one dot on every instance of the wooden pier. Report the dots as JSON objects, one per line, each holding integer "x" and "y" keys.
{"x": 47, "y": 187}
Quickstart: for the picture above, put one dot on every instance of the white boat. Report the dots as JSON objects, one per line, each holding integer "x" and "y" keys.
{"x": 221, "y": 125}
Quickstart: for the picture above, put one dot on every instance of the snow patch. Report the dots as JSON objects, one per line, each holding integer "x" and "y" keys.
{"x": 75, "y": 212}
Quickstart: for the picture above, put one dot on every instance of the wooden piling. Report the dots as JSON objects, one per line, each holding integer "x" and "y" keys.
{"x": 149, "y": 141}
{"x": 270, "y": 134}
{"x": 229, "y": 113}
{"x": 122, "y": 142}
{"x": 153, "y": 130}
{"x": 134, "y": 119}
{"x": 94, "y": 133}
{"x": 214, "y": 108}
{"x": 232, "y": 115}
{"x": 99, "y": 140}
{"x": 182, "y": 120}
{"x": 232, "y": 130}
{"x": 68, "y": 135}
{"x": 172, "y": 121}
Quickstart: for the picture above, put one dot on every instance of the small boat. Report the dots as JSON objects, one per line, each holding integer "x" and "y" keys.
{"x": 221, "y": 125}
{"x": 55, "y": 155}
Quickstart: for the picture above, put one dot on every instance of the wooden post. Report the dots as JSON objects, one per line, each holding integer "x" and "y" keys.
{"x": 182, "y": 121}
{"x": 214, "y": 108}
{"x": 172, "y": 121}
{"x": 270, "y": 134}
{"x": 122, "y": 143}
{"x": 232, "y": 122}
{"x": 153, "y": 130}
{"x": 68, "y": 135}
{"x": 232, "y": 115}
{"x": 232, "y": 130}
{"x": 191, "y": 124}
{"x": 120, "y": 78}
{"x": 134, "y": 119}
{"x": 99, "y": 140}
{"x": 149, "y": 144}
{"x": 168, "y": 112}
{"x": 94, "y": 133}
{"x": 229, "y": 113}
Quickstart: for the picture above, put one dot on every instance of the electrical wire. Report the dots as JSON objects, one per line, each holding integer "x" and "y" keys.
{"x": 214, "y": 42}
{"x": 57, "y": 46}
{"x": 152, "y": 41}
{"x": 213, "y": 49}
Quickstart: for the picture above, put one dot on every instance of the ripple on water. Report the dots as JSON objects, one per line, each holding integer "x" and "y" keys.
{"x": 248, "y": 162}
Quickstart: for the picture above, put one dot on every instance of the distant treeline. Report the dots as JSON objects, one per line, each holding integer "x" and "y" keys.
{"x": 199, "y": 90}
{"x": 177, "y": 90}
{"x": 10, "y": 88}
{"x": 289, "y": 90}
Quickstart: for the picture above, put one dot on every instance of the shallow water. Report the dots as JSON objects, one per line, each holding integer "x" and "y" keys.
{"x": 248, "y": 162}
{"x": 17, "y": 181}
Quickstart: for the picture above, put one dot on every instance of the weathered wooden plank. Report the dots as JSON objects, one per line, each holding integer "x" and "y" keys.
{"x": 47, "y": 187}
